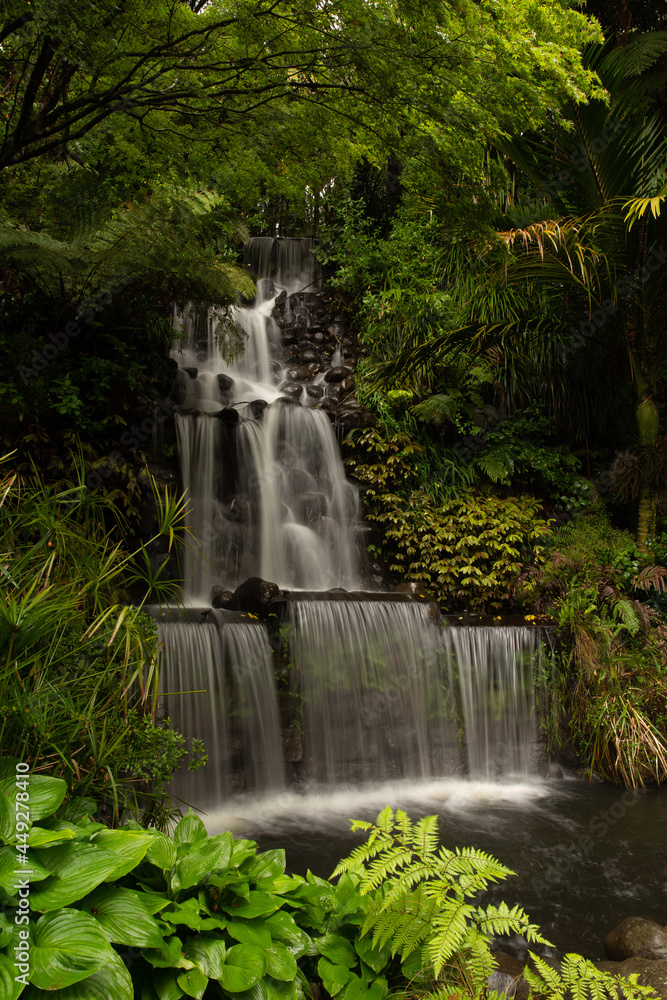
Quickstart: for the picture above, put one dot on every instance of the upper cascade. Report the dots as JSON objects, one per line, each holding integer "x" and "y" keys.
{"x": 259, "y": 457}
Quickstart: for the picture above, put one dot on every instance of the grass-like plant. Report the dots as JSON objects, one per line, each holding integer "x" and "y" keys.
{"x": 78, "y": 664}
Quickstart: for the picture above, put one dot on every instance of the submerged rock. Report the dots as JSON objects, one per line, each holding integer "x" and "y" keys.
{"x": 636, "y": 937}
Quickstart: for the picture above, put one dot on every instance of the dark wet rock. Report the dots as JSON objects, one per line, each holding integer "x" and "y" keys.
{"x": 553, "y": 771}
{"x": 309, "y": 356}
{"x": 255, "y": 595}
{"x": 239, "y": 509}
{"x": 221, "y": 597}
{"x": 225, "y": 382}
{"x": 326, "y": 404}
{"x": 281, "y": 300}
{"x": 192, "y": 411}
{"x": 299, "y": 373}
{"x": 318, "y": 336}
{"x": 337, "y": 374}
{"x": 315, "y": 391}
{"x": 287, "y": 401}
{"x": 192, "y": 372}
{"x": 350, "y": 419}
{"x": 347, "y": 385}
{"x": 292, "y": 389}
{"x": 257, "y": 408}
{"x": 336, "y": 330}
{"x": 171, "y": 363}
{"x": 228, "y": 415}
{"x": 334, "y": 391}
{"x": 502, "y": 982}
{"x": 314, "y": 368}
{"x": 636, "y": 937}
{"x": 651, "y": 973}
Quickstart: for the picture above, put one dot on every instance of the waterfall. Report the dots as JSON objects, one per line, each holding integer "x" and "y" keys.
{"x": 372, "y": 681}
{"x": 218, "y": 684}
{"x": 493, "y": 670}
{"x": 266, "y": 486}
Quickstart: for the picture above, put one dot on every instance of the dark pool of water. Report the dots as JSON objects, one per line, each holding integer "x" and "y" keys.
{"x": 585, "y": 855}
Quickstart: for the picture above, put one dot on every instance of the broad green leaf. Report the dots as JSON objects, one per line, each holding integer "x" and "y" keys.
{"x": 128, "y": 844}
{"x": 169, "y": 956}
{"x": 212, "y": 856}
{"x": 123, "y": 917}
{"x": 244, "y": 966}
{"x": 250, "y": 932}
{"x": 280, "y": 963}
{"x": 44, "y": 796}
{"x": 40, "y": 837}
{"x": 376, "y": 957}
{"x": 284, "y": 927}
{"x": 337, "y": 949}
{"x": 9, "y": 988}
{"x": 78, "y": 868}
{"x": 258, "y": 904}
{"x": 268, "y": 864}
{"x": 165, "y": 983}
{"x": 6, "y": 930}
{"x": 193, "y": 982}
{"x": 162, "y": 851}
{"x": 242, "y": 849}
{"x": 357, "y": 989}
{"x": 68, "y": 946}
{"x": 208, "y": 953}
{"x": 190, "y": 829}
{"x": 185, "y": 915}
{"x": 11, "y": 868}
{"x": 112, "y": 982}
{"x": 334, "y": 977}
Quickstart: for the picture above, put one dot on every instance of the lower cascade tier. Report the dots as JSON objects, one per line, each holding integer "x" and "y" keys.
{"x": 347, "y": 692}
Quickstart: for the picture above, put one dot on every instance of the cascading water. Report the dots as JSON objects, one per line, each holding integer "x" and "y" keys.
{"x": 493, "y": 669}
{"x": 371, "y": 677}
{"x": 382, "y": 689}
{"x": 217, "y": 679}
{"x": 282, "y": 509}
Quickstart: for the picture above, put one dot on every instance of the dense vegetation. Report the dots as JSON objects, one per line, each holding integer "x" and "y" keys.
{"x": 488, "y": 186}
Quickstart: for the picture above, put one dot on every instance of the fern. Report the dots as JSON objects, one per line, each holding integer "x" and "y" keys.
{"x": 423, "y": 896}
{"x": 580, "y": 980}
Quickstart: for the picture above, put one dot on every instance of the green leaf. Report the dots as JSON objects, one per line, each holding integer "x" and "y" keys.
{"x": 78, "y": 869}
{"x": 208, "y": 953}
{"x": 254, "y": 931}
{"x": 44, "y": 797}
{"x": 11, "y": 867}
{"x": 123, "y": 917}
{"x": 193, "y": 982}
{"x": 244, "y": 966}
{"x": 165, "y": 982}
{"x": 128, "y": 844}
{"x": 284, "y": 927}
{"x": 376, "y": 957}
{"x": 200, "y": 862}
{"x": 9, "y": 988}
{"x": 258, "y": 904}
{"x": 112, "y": 982}
{"x": 190, "y": 829}
{"x": 334, "y": 977}
{"x": 337, "y": 949}
{"x": 280, "y": 963}
{"x": 169, "y": 956}
{"x": 357, "y": 989}
{"x": 162, "y": 851}
{"x": 68, "y": 946}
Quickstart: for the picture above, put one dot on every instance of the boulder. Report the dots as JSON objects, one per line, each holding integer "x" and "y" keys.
{"x": 315, "y": 391}
{"x": 636, "y": 937}
{"x": 292, "y": 389}
{"x": 553, "y": 771}
{"x": 192, "y": 372}
{"x": 650, "y": 973}
{"x": 308, "y": 357}
{"x": 225, "y": 382}
{"x": 221, "y": 597}
{"x": 255, "y": 595}
{"x": 299, "y": 373}
{"x": 228, "y": 415}
{"x": 337, "y": 374}
{"x": 257, "y": 407}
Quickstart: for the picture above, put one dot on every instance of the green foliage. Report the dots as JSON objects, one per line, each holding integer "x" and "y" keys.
{"x": 468, "y": 549}
{"x": 610, "y": 688}
{"x": 78, "y": 665}
{"x": 423, "y": 905}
